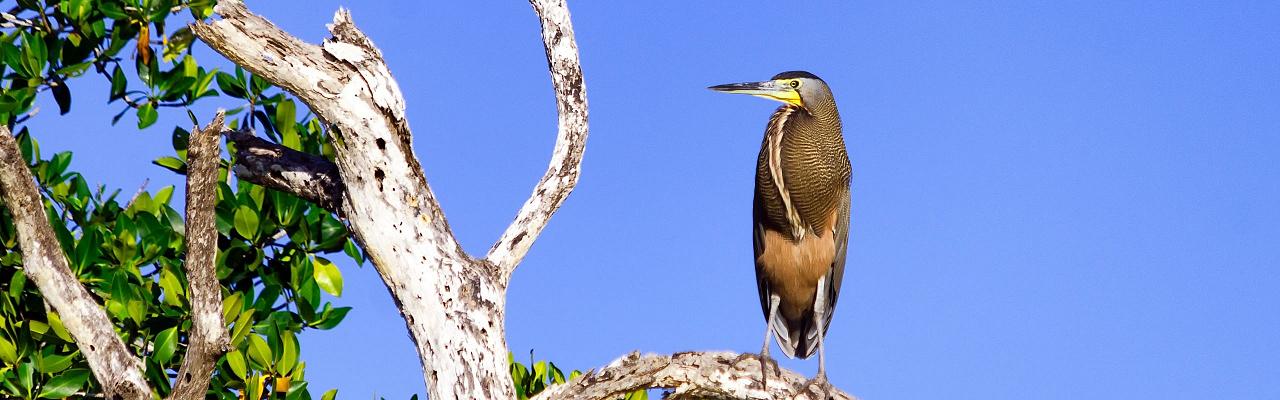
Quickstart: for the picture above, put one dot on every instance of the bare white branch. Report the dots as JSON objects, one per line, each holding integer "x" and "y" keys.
{"x": 452, "y": 304}
{"x": 571, "y": 138}
{"x": 717, "y": 375}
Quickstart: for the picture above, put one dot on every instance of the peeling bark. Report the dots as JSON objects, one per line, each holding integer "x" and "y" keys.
{"x": 116, "y": 369}
{"x": 208, "y": 338}
{"x": 716, "y": 375}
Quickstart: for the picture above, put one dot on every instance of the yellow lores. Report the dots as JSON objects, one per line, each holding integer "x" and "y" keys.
{"x": 800, "y": 213}
{"x": 784, "y": 90}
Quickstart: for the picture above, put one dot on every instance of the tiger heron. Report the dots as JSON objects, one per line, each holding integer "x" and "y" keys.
{"x": 800, "y": 212}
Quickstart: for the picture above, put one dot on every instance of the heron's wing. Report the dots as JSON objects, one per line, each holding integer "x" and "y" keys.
{"x": 785, "y": 332}
{"x": 757, "y": 245}
{"x": 841, "y": 236}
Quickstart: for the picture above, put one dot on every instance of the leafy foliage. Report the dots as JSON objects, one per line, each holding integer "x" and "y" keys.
{"x": 129, "y": 252}
{"x": 271, "y": 261}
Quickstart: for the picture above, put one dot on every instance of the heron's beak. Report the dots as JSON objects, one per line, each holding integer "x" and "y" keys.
{"x": 774, "y": 90}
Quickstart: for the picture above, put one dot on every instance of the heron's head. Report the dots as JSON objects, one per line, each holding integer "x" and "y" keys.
{"x": 797, "y": 88}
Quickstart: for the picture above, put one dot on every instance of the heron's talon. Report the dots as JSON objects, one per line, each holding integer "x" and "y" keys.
{"x": 824, "y": 386}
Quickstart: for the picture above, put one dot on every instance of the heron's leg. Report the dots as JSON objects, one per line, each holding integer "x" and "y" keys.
{"x": 768, "y": 324}
{"x": 819, "y": 320}
{"x": 763, "y": 356}
{"x": 819, "y": 313}
{"x": 768, "y": 336}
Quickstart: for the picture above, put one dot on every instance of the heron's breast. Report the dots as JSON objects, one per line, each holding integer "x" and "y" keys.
{"x": 793, "y": 268}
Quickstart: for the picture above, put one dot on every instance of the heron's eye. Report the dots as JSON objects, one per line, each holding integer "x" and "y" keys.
{"x": 795, "y": 84}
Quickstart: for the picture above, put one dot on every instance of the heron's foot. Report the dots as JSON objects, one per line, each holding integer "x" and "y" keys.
{"x": 764, "y": 361}
{"x": 824, "y": 386}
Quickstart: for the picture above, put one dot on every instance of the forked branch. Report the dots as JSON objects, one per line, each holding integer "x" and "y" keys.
{"x": 117, "y": 370}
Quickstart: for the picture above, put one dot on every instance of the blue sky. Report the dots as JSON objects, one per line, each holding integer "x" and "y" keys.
{"x": 1050, "y": 201}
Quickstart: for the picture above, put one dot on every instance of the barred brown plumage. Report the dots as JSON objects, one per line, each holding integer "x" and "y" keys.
{"x": 800, "y": 212}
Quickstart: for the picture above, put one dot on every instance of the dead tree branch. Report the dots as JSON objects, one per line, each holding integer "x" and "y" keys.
{"x": 117, "y": 370}
{"x": 571, "y": 138}
{"x": 208, "y": 338}
{"x": 271, "y": 165}
{"x": 452, "y": 304}
{"x": 695, "y": 375}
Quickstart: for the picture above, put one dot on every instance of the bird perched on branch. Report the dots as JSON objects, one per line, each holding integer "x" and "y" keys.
{"x": 800, "y": 212}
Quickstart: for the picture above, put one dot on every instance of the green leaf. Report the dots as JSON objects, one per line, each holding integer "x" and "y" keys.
{"x": 353, "y": 251}
{"x": 29, "y": 147}
{"x": 166, "y": 344}
{"x": 557, "y": 376}
{"x": 181, "y": 139}
{"x": 74, "y": 70}
{"x": 147, "y": 115}
{"x": 112, "y": 10}
{"x": 328, "y": 276}
{"x": 8, "y": 353}
{"x": 238, "y": 365}
{"x": 65, "y": 384}
{"x": 59, "y": 164}
{"x": 178, "y": 42}
{"x": 231, "y": 306}
{"x": 287, "y": 126}
{"x": 242, "y": 327}
{"x": 34, "y": 54}
{"x": 332, "y": 318}
{"x": 77, "y": 10}
{"x": 230, "y": 85}
{"x": 287, "y": 207}
{"x": 118, "y": 83}
{"x": 253, "y": 387}
{"x": 288, "y": 352}
{"x": 164, "y": 195}
{"x": 52, "y": 364}
{"x": 61, "y": 95}
{"x": 16, "y": 284}
{"x": 638, "y": 395}
{"x": 329, "y": 395}
{"x": 246, "y": 222}
{"x": 25, "y": 373}
{"x": 55, "y": 323}
{"x": 171, "y": 163}
{"x": 259, "y": 351}
{"x": 173, "y": 289}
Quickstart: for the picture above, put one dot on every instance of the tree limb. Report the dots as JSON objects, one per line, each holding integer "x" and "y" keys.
{"x": 271, "y": 165}
{"x": 453, "y": 305}
{"x": 571, "y": 138}
{"x": 117, "y": 370}
{"x": 208, "y": 338}
{"x": 694, "y": 375}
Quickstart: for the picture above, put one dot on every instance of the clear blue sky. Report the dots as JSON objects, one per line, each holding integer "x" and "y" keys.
{"x": 1050, "y": 201}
